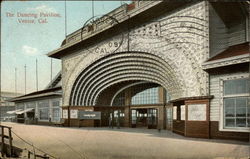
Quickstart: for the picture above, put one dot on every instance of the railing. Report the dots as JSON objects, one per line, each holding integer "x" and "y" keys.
{"x": 3, "y": 145}
{"x": 120, "y": 14}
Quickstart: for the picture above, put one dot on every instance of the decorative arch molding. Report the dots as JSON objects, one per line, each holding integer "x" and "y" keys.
{"x": 123, "y": 66}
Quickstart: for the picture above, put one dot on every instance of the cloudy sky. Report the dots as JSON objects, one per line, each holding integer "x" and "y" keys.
{"x": 27, "y": 36}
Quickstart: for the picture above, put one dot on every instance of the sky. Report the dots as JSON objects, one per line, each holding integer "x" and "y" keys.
{"x": 27, "y": 35}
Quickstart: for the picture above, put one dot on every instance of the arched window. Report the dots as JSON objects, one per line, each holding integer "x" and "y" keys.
{"x": 119, "y": 99}
{"x": 145, "y": 95}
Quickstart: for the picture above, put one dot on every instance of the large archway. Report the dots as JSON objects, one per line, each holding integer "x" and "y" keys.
{"x": 123, "y": 67}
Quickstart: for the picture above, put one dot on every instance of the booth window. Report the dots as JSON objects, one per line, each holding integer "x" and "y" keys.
{"x": 236, "y": 103}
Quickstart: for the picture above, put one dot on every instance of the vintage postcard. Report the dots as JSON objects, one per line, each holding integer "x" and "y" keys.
{"x": 133, "y": 79}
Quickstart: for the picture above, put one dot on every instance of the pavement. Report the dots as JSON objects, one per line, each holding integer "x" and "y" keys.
{"x": 124, "y": 143}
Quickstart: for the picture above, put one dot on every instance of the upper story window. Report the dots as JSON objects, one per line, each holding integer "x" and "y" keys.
{"x": 236, "y": 103}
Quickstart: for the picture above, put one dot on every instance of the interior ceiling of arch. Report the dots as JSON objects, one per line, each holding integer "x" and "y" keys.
{"x": 121, "y": 67}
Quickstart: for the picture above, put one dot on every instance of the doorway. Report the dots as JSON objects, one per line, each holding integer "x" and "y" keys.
{"x": 144, "y": 118}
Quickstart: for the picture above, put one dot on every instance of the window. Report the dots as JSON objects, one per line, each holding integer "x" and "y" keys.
{"x": 55, "y": 114}
{"x": 31, "y": 105}
{"x": 236, "y": 108}
{"x": 145, "y": 96}
{"x": 119, "y": 99}
{"x": 43, "y": 107}
{"x": 20, "y": 106}
{"x": 55, "y": 110}
{"x": 168, "y": 97}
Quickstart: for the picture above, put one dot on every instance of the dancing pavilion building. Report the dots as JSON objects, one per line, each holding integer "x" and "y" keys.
{"x": 181, "y": 66}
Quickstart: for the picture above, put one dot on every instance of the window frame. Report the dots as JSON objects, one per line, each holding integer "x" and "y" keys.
{"x": 222, "y": 97}
{"x": 42, "y": 108}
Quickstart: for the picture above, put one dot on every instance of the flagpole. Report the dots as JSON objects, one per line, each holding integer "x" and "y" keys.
{"x": 0, "y": 57}
{"x": 16, "y": 81}
{"x": 65, "y": 7}
{"x": 25, "y": 79}
{"x": 51, "y": 70}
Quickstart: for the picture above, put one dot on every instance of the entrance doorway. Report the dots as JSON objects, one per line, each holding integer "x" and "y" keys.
{"x": 144, "y": 118}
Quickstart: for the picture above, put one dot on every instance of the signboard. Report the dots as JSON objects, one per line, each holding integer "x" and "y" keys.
{"x": 197, "y": 112}
{"x": 183, "y": 114}
{"x": 65, "y": 114}
{"x": 73, "y": 114}
{"x": 89, "y": 115}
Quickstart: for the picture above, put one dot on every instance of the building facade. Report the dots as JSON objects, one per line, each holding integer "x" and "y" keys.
{"x": 151, "y": 64}
{"x": 41, "y": 107}
{"x": 7, "y": 106}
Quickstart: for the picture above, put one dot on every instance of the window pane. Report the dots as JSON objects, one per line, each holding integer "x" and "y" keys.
{"x": 229, "y": 107}
{"x": 43, "y": 104}
{"x": 241, "y": 104}
{"x": 241, "y": 112}
{"x": 144, "y": 95}
{"x": 55, "y": 103}
{"x": 44, "y": 114}
{"x": 239, "y": 86}
{"x": 241, "y": 122}
{"x": 56, "y": 114}
{"x": 230, "y": 123}
{"x": 229, "y": 112}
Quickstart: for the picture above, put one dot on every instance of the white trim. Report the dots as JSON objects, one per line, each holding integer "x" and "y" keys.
{"x": 226, "y": 61}
{"x": 221, "y": 113}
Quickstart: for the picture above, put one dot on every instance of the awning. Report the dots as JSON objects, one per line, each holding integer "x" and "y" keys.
{"x": 13, "y": 111}
{"x": 25, "y": 111}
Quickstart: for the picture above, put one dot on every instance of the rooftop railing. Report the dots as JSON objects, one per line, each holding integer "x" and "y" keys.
{"x": 112, "y": 18}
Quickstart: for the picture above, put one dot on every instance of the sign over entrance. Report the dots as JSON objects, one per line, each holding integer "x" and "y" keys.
{"x": 89, "y": 115}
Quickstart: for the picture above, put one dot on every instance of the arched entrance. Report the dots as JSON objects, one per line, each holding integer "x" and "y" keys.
{"x": 128, "y": 88}
{"x": 119, "y": 68}
{"x": 135, "y": 104}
